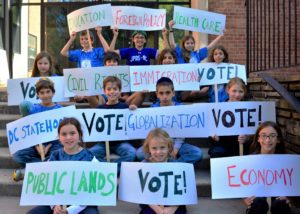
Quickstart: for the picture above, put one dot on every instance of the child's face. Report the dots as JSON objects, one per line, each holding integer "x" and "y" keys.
{"x": 46, "y": 95}
{"x": 165, "y": 94}
{"x": 236, "y": 93}
{"x": 112, "y": 92}
{"x": 69, "y": 137}
{"x": 159, "y": 150}
{"x": 168, "y": 59}
{"x": 218, "y": 56}
{"x": 189, "y": 45}
{"x": 139, "y": 40}
{"x": 43, "y": 66}
{"x": 111, "y": 62}
{"x": 84, "y": 42}
{"x": 268, "y": 140}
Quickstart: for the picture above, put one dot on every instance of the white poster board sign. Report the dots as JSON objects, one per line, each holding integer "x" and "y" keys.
{"x": 158, "y": 183}
{"x": 70, "y": 183}
{"x": 138, "y": 18}
{"x": 89, "y": 81}
{"x": 255, "y": 175}
{"x": 36, "y": 128}
{"x": 213, "y": 73}
{"x": 185, "y": 77}
{"x": 22, "y": 89}
{"x": 198, "y": 20}
{"x": 90, "y": 17}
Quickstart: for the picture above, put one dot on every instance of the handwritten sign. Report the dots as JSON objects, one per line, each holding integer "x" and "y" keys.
{"x": 184, "y": 76}
{"x": 22, "y": 89}
{"x": 138, "y": 18}
{"x": 90, "y": 17}
{"x": 213, "y": 73}
{"x": 259, "y": 175}
{"x": 158, "y": 183}
{"x": 89, "y": 81}
{"x": 36, "y": 128}
{"x": 102, "y": 124}
{"x": 70, "y": 182}
{"x": 198, "y": 20}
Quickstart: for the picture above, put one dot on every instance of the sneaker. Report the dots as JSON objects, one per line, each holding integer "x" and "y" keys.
{"x": 18, "y": 175}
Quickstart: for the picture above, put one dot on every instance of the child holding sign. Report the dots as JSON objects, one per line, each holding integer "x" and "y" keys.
{"x": 42, "y": 66}
{"x": 183, "y": 152}
{"x": 224, "y": 146}
{"x": 70, "y": 135}
{"x": 112, "y": 89}
{"x": 268, "y": 139}
{"x": 159, "y": 147}
{"x": 87, "y": 56}
{"x": 45, "y": 91}
{"x": 186, "y": 53}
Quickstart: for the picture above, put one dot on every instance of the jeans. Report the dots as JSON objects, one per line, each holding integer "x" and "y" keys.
{"x": 30, "y": 155}
{"x": 123, "y": 149}
{"x": 187, "y": 153}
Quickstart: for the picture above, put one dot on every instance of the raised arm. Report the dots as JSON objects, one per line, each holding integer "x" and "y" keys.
{"x": 65, "y": 50}
{"x": 171, "y": 35}
{"x": 114, "y": 40}
{"x": 215, "y": 41}
{"x": 165, "y": 38}
{"x": 102, "y": 39}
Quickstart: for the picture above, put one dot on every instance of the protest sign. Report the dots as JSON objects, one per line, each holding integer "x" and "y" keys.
{"x": 138, "y": 18}
{"x": 198, "y": 20}
{"x": 22, "y": 89}
{"x": 70, "y": 183}
{"x": 255, "y": 175}
{"x": 234, "y": 118}
{"x": 89, "y": 81}
{"x": 214, "y": 73}
{"x": 184, "y": 76}
{"x": 36, "y": 128}
{"x": 158, "y": 183}
{"x": 90, "y": 17}
{"x": 102, "y": 124}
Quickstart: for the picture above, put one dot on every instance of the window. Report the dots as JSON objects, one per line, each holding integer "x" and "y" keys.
{"x": 16, "y": 26}
{"x": 2, "y": 24}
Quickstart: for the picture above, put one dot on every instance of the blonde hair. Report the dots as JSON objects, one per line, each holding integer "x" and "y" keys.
{"x": 238, "y": 81}
{"x": 158, "y": 133}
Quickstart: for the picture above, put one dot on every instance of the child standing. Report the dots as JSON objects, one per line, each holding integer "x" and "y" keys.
{"x": 45, "y": 91}
{"x": 159, "y": 146}
{"x": 112, "y": 89}
{"x": 225, "y": 146}
{"x": 183, "y": 152}
{"x": 43, "y": 66}
{"x": 87, "y": 56}
{"x": 186, "y": 53}
{"x": 70, "y": 135}
{"x": 268, "y": 139}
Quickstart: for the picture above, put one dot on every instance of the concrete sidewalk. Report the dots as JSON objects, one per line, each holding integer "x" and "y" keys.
{"x": 10, "y": 205}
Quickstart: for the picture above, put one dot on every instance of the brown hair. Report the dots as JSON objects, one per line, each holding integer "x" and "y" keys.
{"x": 186, "y": 54}
{"x": 157, "y": 133}
{"x": 73, "y": 121}
{"x": 84, "y": 33}
{"x": 112, "y": 79}
{"x": 238, "y": 81}
{"x": 44, "y": 83}
{"x": 161, "y": 55}
{"x": 164, "y": 81}
{"x": 35, "y": 70}
{"x": 255, "y": 146}
{"x": 218, "y": 47}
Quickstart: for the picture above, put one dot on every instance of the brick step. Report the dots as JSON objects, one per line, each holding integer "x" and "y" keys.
{"x": 7, "y": 118}
{"x": 3, "y": 138}
{"x": 205, "y": 205}
{"x": 8, "y": 187}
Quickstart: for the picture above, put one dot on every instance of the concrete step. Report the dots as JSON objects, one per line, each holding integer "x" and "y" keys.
{"x": 5, "y": 109}
{"x": 7, "y": 118}
{"x": 8, "y": 187}
{"x": 6, "y": 161}
{"x": 3, "y": 138}
{"x": 205, "y": 205}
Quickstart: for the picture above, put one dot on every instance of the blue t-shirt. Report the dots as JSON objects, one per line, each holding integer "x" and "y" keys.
{"x": 195, "y": 56}
{"x": 92, "y": 58}
{"x": 136, "y": 57}
{"x": 157, "y": 104}
{"x": 119, "y": 105}
{"x": 60, "y": 155}
{"x": 36, "y": 108}
{"x": 222, "y": 94}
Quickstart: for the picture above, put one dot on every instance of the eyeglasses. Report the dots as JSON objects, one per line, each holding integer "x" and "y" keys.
{"x": 271, "y": 136}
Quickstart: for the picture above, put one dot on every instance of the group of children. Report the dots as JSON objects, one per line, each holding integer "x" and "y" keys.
{"x": 158, "y": 146}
